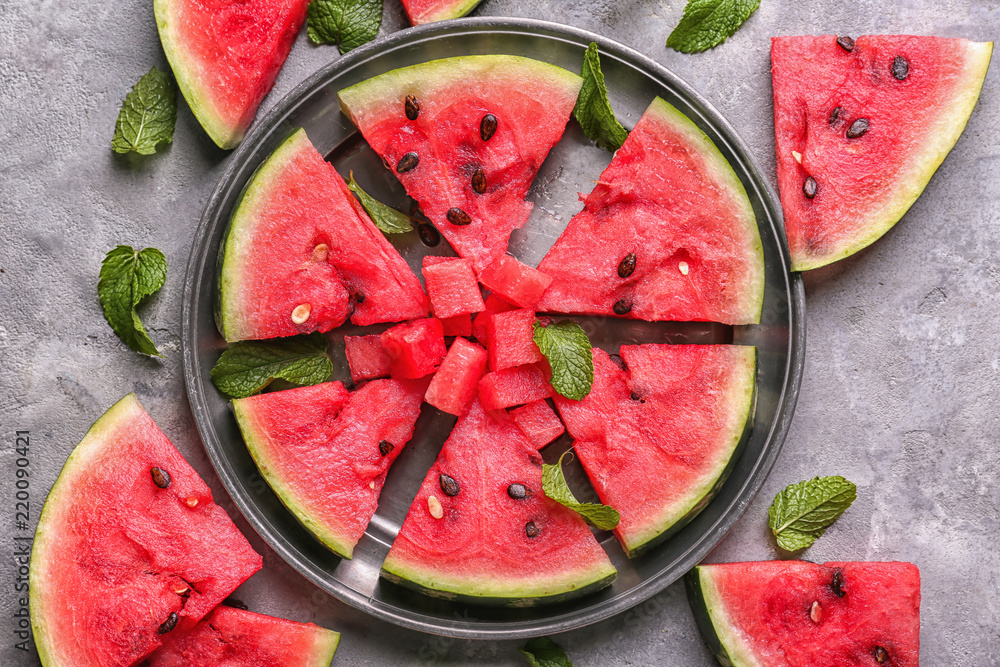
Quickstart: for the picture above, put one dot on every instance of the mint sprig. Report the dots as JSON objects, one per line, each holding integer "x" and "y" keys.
{"x": 802, "y": 512}
{"x": 386, "y": 218}
{"x": 128, "y": 278}
{"x": 593, "y": 108}
{"x": 554, "y": 485}
{"x": 708, "y": 23}
{"x": 543, "y": 652}
{"x": 246, "y": 367}
{"x": 347, "y": 23}
{"x": 568, "y": 351}
{"x": 147, "y": 116}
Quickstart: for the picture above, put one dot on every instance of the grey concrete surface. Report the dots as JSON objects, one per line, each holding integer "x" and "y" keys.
{"x": 901, "y": 385}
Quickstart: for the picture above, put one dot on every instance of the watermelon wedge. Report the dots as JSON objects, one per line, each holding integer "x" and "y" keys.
{"x": 226, "y": 55}
{"x": 230, "y": 637}
{"x": 466, "y": 137}
{"x": 481, "y": 529}
{"x": 860, "y": 127}
{"x": 301, "y": 255}
{"x": 129, "y": 547}
{"x": 667, "y": 234}
{"x": 426, "y": 11}
{"x": 658, "y": 439}
{"x": 325, "y": 452}
{"x": 800, "y": 614}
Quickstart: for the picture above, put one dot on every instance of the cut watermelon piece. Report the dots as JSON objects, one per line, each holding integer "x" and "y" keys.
{"x": 427, "y": 11}
{"x": 860, "y": 132}
{"x": 460, "y": 325}
{"x": 415, "y": 349}
{"x": 667, "y": 234}
{"x": 226, "y": 56}
{"x": 481, "y": 128}
{"x": 515, "y": 282}
{"x": 659, "y": 439}
{"x": 481, "y": 528}
{"x": 231, "y": 637}
{"x": 366, "y": 357}
{"x": 454, "y": 385}
{"x": 302, "y": 440}
{"x": 538, "y": 422}
{"x": 514, "y": 386}
{"x": 511, "y": 341}
{"x": 129, "y": 544}
{"x": 494, "y": 304}
{"x": 800, "y": 614}
{"x": 301, "y": 255}
{"x": 452, "y": 287}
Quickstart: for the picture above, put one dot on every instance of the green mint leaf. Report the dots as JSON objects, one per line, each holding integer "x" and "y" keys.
{"x": 129, "y": 277}
{"x": 708, "y": 23}
{"x": 147, "y": 116}
{"x": 567, "y": 348}
{"x": 593, "y": 108}
{"x": 386, "y": 218}
{"x": 543, "y": 652}
{"x": 554, "y": 486}
{"x": 347, "y": 23}
{"x": 802, "y": 512}
{"x": 248, "y": 366}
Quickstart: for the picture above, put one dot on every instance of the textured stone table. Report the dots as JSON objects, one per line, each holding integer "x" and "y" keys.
{"x": 901, "y": 390}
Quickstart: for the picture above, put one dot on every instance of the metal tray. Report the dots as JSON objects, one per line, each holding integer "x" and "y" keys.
{"x": 574, "y": 164}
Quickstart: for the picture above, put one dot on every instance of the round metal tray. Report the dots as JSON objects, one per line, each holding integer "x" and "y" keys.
{"x": 633, "y": 81}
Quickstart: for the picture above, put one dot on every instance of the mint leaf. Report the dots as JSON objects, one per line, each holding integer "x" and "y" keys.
{"x": 708, "y": 23}
{"x": 386, "y": 218}
{"x": 348, "y": 23}
{"x": 802, "y": 512}
{"x": 147, "y": 115}
{"x": 248, "y": 366}
{"x": 129, "y": 277}
{"x": 554, "y": 486}
{"x": 593, "y": 108}
{"x": 543, "y": 652}
{"x": 567, "y": 348}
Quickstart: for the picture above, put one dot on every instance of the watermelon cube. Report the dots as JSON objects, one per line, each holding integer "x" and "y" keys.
{"x": 415, "y": 349}
{"x": 494, "y": 304}
{"x": 513, "y": 386}
{"x": 515, "y": 282}
{"x": 510, "y": 339}
{"x": 454, "y": 385}
{"x": 366, "y": 357}
{"x": 452, "y": 286}
{"x": 539, "y": 422}
{"x": 460, "y": 325}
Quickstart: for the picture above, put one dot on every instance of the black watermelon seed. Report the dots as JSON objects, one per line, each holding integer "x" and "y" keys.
{"x": 236, "y": 604}
{"x": 385, "y": 447}
{"x": 458, "y": 217}
{"x": 479, "y": 181}
{"x": 448, "y": 485}
{"x": 412, "y": 107}
{"x": 407, "y": 163}
{"x": 837, "y": 585}
{"x": 858, "y": 128}
{"x": 531, "y": 530}
{"x": 881, "y": 655}
{"x": 487, "y": 127}
{"x": 810, "y": 187}
{"x": 622, "y": 307}
{"x": 617, "y": 358}
{"x": 429, "y": 236}
{"x": 846, "y": 43}
{"x": 517, "y": 491}
{"x": 160, "y": 477}
{"x": 835, "y": 115}
{"x": 627, "y": 265}
{"x": 900, "y": 67}
{"x": 635, "y": 396}
{"x": 168, "y": 624}
{"x": 359, "y": 297}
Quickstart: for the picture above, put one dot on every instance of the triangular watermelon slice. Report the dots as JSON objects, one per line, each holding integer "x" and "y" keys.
{"x": 226, "y": 56}
{"x": 466, "y": 137}
{"x": 426, "y": 11}
{"x": 301, "y": 255}
{"x": 659, "y": 438}
{"x": 667, "y": 234}
{"x": 129, "y": 547}
{"x": 482, "y": 530}
{"x": 860, "y": 128}
{"x": 326, "y": 452}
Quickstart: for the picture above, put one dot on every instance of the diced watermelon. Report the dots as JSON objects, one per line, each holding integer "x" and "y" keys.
{"x": 494, "y": 304}
{"x": 460, "y": 325}
{"x": 415, "y": 349}
{"x": 539, "y": 422}
{"x": 513, "y": 386}
{"x": 510, "y": 339}
{"x": 452, "y": 287}
{"x": 516, "y": 282}
{"x": 454, "y": 384}
{"x": 366, "y": 357}
{"x": 426, "y": 11}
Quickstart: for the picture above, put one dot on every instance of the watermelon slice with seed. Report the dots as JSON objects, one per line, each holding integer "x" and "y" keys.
{"x": 667, "y": 234}
{"x": 325, "y": 452}
{"x": 427, "y": 11}
{"x": 301, "y": 255}
{"x": 129, "y": 547}
{"x": 659, "y": 439}
{"x": 466, "y": 137}
{"x": 800, "y": 614}
{"x": 481, "y": 529}
{"x": 860, "y": 127}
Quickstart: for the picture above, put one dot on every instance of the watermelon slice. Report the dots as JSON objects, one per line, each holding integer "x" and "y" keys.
{"x": 481, "y": 529}
{"x": 226, "y": 55}
{"x": 301, "y": 255}
{"x": 233, "y": 637}
{"x": 426, "y": 11}
{"x": 466, "y": 137}
{"x": 667, "y": 234}
{"x": 659, "y": 439}
{"x": 129, "y": 546}
{"x": 326, "y": 453}
{"x": 800, "y": 614}
{"x": 860, "y": 128}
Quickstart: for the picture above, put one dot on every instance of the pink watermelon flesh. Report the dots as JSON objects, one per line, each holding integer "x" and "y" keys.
{"x": 515, "y": 282}
{"x": 452, "y": 288}
{"x": 514, "y": 386}
{"x": 494, "y": 304}
{"x": 511, "y": 340}
{"x": 415, "y": 349}
{"x": 531, "y": 102}
{"x": 366, "y": 357}
{"x": 455, "y": 383}
{"x": 231, "y": 637}
{"x": 325, "y": 452}
{"x": 426, "y": 11}
{"x": 794, "y": 613}
{"x": 115, "y": 555}
{"x": 667, "y": 234}
{"x": 538, "y": 422}
{"x": 226, "y": 55}
{"x": 478, "y": 545}
{"x": 657, "y": 439}
{"x": 460, "y": 325}
{"x": 864, "y": 184}
{"x": 301, "y": 255}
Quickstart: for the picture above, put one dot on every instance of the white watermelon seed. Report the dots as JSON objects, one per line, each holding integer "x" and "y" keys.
{"x": 683, "y": 268}
{"x": 301, "y": 313}
{"x": 798, "y": 156}
{"x": 816, "y": 612}
{"x": 320, "y": 252}
{"x": 191, "y": 502}
{"x": 371, "y": 485}
{"x": 434, "y": 507}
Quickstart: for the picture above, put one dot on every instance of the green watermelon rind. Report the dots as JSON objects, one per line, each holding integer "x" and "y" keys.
{"x": 455, "y": 10}
{"x": 327, "y": 642}
{"x": 713, "y": 621}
